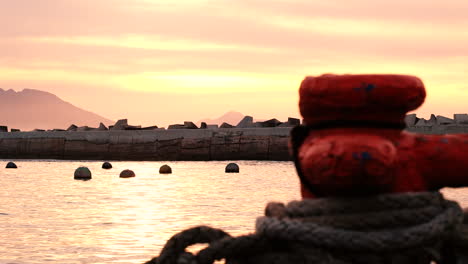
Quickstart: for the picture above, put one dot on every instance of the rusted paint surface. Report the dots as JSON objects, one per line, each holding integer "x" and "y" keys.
{"x": 378, "y": 156}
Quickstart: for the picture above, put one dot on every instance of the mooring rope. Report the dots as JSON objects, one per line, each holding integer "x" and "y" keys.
{"x": 390, "y": 228}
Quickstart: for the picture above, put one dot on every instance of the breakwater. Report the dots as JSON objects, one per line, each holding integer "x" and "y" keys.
{"x": 237, "y": 143}
{"x": 173, "y": 144}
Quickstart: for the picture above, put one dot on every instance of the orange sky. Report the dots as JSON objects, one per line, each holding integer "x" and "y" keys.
{"x": 161, "y": 62}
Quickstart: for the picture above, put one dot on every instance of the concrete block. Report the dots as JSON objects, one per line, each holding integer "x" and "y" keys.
{"x": 442, "y": 120}
{"x": 247, "y": 121}
{"x": 269, "y": 123}
{"x": 176, "y": 126}
{"x": 294, "y": 121}
{"x": 190, "y": 125}
{"x": 432, "y": 121}
{"x": 226, "y": 125}
{"x": 120, "y": 124}
{"x": 421, "y": 122}
{"x": 461, "y": 118}
{"x": 132, "y": 127}
{"x": 427, "y": 123}
{"x": 150, "y": 128}
{"x": 72, "y": 127}
{"x": 411, "y": 120}
{"x": 83, "y": 128}
{"x": 102, "y": 127}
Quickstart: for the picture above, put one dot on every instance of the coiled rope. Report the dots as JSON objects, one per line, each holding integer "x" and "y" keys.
{"x": 389, "y": 228}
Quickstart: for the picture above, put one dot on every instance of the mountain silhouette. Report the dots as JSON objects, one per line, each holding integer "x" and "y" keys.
{"x": 30, "y": 109}
{"x": 230, "y": 117}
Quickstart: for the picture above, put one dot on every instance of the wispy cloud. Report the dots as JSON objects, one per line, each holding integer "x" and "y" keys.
{"x": 230, "y": 46}
{"x": 147, "y": 42}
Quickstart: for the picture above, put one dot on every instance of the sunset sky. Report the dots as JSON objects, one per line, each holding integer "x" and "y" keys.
{"x": 162, "y": 61}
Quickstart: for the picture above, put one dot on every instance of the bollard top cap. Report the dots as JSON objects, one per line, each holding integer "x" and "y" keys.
{"x": 362, "y": 97}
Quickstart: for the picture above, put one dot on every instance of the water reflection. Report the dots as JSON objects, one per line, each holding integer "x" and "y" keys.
{"x": 113, "y": 220}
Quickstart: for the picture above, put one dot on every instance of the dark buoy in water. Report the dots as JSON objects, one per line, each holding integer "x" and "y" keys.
{"x": 165, "y": 169}
{"x": 127, "y": 174}
{"x": 11, "y": 165}
{"x": 232, "y": 168}
{"x": 82, "y": 173}
{"x": 106, "y": 165}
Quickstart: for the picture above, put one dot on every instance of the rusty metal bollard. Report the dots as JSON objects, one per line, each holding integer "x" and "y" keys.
{"x": 353, "y": 141}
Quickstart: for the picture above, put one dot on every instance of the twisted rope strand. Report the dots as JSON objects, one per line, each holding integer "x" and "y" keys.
{"x": 393, "y": 228}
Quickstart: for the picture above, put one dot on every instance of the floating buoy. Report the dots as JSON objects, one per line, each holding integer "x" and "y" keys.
{"x": 127, "y": 174}
{"x": 82, "y": 173}
{"x": 106, "y": 165}
{"x": 232, "y": 168}
{"x": 165, "y": 169}
{"x": 11, "y": 165}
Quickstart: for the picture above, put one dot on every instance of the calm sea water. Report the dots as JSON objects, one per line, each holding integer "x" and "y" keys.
{"x": 47, "y": 217}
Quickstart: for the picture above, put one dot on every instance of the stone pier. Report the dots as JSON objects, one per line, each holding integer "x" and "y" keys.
{"x": 183, "y": 144}
{"x": 247, "y": 143}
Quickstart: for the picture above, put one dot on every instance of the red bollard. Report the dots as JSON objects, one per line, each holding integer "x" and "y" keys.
{"x": 353, "y": 141}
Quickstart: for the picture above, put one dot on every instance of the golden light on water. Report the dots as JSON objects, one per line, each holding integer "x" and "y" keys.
{"x": 113, "y": 220}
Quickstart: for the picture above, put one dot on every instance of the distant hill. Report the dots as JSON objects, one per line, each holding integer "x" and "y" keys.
{"x": 30, "y": 109}
{"x": 230, "y": 117}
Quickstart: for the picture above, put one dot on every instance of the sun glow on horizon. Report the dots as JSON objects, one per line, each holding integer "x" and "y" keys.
{"x": 245, "y": 55}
